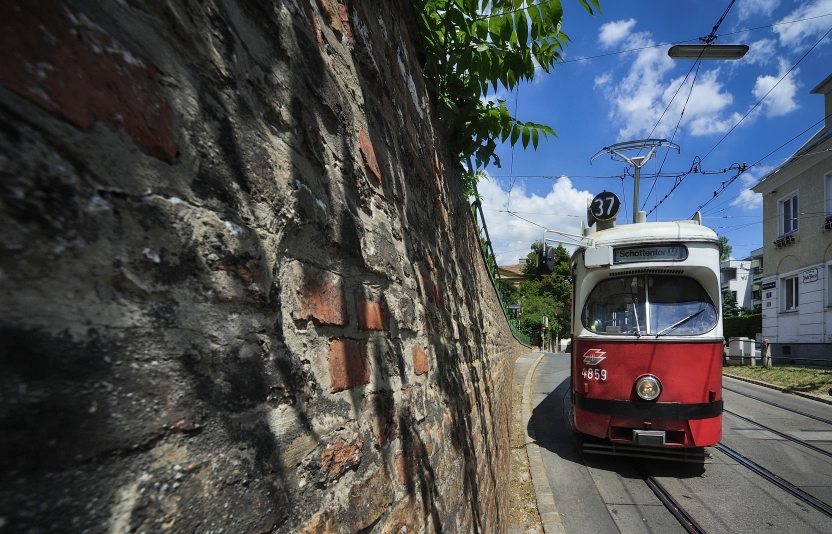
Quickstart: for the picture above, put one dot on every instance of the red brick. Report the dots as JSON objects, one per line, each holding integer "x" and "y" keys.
{"x": 405, "y": 468}
{"x": 369, "y": 154}
{"x": 420, "y": 360}
{"x": 323, "y": 523}
{"x": 380, "y": 411}
{"x": 345, "y": 21}
{"x": 318, "y": 294}
{"x": 428, "y": 288}
{"x": 57, "y": 58}
{"x": 369, "y": 499}
{"x": 341, "y": 454}
{"x": 372, "y": 315}
{"x": 331, "y": 11}
{"x": 428, "y": 441}
{"x": 407, "y": 516}
{"x": 439, "y": 297}
{"x": 348, "y": 364}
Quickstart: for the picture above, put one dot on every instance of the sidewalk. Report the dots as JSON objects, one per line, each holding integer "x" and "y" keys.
{"x": 531, "y": 502}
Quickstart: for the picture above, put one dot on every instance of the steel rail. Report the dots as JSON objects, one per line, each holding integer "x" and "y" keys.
{"x": 810, "y": 416}
{"x": 682, "y": 516}
{"x": 688, "y": 523}
{"x": 781, "y": 434}
{"x": 790, "y": 488}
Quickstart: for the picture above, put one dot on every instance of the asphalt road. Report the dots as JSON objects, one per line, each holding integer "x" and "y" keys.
{"x": 599, "y": 494}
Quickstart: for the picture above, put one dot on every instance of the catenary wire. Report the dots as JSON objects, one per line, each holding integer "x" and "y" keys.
{"x": 768, "y": 93}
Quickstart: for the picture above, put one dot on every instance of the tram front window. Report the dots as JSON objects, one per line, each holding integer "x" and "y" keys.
{"x": 649, "y": 305}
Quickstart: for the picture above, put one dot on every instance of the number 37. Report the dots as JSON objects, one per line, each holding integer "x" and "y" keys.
{"x": 594, "y": 374}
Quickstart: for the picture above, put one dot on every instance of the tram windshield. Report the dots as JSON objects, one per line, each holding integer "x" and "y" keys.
{"x": 649, "y": 305}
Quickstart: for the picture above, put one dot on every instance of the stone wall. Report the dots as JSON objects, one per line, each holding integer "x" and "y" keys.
{"x": 240, "y": 289}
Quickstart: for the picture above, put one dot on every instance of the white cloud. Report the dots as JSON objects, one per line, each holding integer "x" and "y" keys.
{"x": 641, "y": 97}
{"x": 749, "y": 200}
{"x": 561, "y": 209}
{"x": 603, "y": 79}
{"x": 746, "y": 8}
{"x": 614, "y": 32}
{"x": 781, "y": 99}
{"x": 803, "y": 34}
{"x": 760, "y": 52}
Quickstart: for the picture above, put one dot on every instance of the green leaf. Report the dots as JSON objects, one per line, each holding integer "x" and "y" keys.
{"x": 534, "y": 138}
{"x": 522, "y": 29}
{"x": 526, "y": 134}
{"x": 515, "y": 133}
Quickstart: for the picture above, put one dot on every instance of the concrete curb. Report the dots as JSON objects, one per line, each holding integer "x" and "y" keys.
{"x": 780, "y": 388}
{"x": 550, "y": 516}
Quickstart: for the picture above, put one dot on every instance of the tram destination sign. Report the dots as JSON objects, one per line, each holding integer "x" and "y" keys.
{"x": 649, "y": 253}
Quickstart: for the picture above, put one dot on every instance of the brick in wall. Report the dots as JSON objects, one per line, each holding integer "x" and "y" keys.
{"x": 317, "y": 294}
{"x": 348, "y": 364}
{"x": 72, "y": 68}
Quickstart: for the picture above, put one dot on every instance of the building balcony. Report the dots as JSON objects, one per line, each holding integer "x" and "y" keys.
{"x": 785, "y": 240}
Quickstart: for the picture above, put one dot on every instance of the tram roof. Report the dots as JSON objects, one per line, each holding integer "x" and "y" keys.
{"x": 656, "y": 232}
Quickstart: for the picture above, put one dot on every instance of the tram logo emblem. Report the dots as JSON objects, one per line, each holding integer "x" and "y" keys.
{"x": 594, "y": 356}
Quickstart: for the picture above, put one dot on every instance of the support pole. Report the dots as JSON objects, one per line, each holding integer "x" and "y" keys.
{"x": 635, "y": 188}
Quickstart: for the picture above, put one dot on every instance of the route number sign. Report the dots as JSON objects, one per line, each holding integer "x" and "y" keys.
{"x": 605, "y": 206}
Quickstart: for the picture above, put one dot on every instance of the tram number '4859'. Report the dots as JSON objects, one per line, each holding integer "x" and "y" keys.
{"x": 594, "y": 374}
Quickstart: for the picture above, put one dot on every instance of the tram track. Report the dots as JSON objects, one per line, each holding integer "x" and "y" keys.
{"x": 682, "y": 516}
{"x": 798, "y": 412}
{"x": 780, "y": 434}
{"x": 790, "y": 488}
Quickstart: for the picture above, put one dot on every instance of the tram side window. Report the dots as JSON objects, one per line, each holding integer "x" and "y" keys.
{"x": 616, "y": 306}
{"x": 644, "y": 305}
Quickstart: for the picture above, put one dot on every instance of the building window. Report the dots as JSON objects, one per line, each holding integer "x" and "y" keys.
{"x": 789, "y": 215}
{"x": 829, "y": 285}
{"x": 828, "y": 192}
{"x": 790, "y": 298}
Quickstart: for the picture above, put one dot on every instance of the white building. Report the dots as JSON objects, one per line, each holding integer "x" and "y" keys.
{"x": 796, "y": 283}
{"x": 756, "y": 258}
{"x": 735, "y": 277}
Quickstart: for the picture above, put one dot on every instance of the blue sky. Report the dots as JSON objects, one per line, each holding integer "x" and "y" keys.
{"x": 620, "y": 97}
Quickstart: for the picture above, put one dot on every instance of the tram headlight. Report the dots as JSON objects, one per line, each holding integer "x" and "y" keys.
{"x": 648, "y": 387}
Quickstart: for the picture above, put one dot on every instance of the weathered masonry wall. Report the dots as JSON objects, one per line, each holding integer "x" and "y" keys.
{"x": 239, "y": 288}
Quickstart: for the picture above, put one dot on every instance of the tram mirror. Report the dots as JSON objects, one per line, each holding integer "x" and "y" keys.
{"x": 546, "y": 260}
{"x": 598, "y": 256}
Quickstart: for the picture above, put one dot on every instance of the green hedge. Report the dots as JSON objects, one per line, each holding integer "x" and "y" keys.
{"x": 743, "y": 326}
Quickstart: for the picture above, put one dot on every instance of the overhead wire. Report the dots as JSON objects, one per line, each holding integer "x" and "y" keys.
{"x": 724, "y": 185}
{"x": 587, "y": 58}
{"x": 767, "y": 93}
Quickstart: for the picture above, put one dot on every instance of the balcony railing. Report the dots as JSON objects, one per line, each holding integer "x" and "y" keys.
{"x": 785, "y": 241}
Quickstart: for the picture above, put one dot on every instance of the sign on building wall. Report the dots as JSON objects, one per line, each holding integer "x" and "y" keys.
{"x": 769, "y": 285}
{"x": 810, "y": 275}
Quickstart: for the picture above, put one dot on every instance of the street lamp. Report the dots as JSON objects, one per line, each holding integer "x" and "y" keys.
{"x": 707, "y": 51}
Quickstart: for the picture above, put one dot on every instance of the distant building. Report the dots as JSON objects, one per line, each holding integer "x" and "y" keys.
{"x": 796, "y": 282}
{"x": 756, "y": 258}
{"x": 512, "y": 273}
{"x": 735, "y": 277}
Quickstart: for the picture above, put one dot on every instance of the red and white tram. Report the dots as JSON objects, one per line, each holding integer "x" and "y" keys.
{"x": 647, "y": 342}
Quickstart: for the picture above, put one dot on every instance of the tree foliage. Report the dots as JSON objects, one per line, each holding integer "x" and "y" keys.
{"x": 545, "y": 296}
{"x": 729, "y": 305}
{"x": 473, "y": 46}
{"x": 726, "y": 248}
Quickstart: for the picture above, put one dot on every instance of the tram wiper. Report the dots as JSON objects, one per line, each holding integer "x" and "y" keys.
{"x": 635, "y": 314}
{"x": 674, "y": 325}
